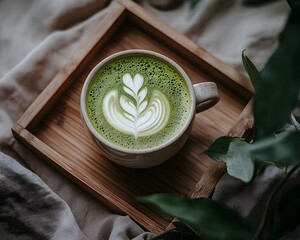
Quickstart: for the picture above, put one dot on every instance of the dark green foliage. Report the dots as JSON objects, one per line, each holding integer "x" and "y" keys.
{"x": 278, "y": 87}
{"x": 208, "y": 219}
{"x": 251, "y": 70}
{"x": 235, "y": 152}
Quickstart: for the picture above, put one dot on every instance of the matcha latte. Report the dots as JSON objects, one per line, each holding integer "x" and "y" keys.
{"x": 138, "y": 101}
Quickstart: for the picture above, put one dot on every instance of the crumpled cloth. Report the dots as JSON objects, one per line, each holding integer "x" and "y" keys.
{"x": 37, "y": 38}
{"x": 29, "y": 208}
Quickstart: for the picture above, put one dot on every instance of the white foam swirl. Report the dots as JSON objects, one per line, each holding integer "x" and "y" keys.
{"x": 139, "y": 117}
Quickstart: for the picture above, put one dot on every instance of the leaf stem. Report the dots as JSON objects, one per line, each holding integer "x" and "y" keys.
{"x": 269, "y": 201}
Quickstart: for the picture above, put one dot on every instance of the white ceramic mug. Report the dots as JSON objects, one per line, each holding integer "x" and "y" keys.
{"x": 202, "y": 96}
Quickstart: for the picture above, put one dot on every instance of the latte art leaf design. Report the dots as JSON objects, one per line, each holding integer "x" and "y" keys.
{"x": 138, "y": 117}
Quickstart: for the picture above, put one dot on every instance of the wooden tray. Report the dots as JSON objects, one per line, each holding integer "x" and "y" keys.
{"x": 52, "y": 126}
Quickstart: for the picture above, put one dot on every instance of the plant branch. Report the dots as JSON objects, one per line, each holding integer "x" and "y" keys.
{"x": 269, "y": 201}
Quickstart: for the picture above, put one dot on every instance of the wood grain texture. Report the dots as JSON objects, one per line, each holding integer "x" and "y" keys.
{"x": 213, "y": 173}
{"x": 52, "y": 125}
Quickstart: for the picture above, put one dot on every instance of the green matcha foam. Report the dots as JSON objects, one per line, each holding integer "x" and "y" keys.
{"x": 138, "y": 102}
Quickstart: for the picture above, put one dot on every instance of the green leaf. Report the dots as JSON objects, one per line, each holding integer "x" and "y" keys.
{"x": 282, "y": 150}
{"x": 207, "y": 218}
{"x": 235, "y": 153}
{"x": 219, "y": 148}
{"x": 251, "y": 70}
{"x": 278, "y": 88}
{"x": 286, "y": 217}
{"x": 239, "y": 161}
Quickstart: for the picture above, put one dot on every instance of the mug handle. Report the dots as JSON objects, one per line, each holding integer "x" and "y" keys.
{"x": 206, "y": 94}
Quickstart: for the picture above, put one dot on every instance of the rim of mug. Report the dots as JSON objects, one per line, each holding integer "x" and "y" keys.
{"x": 120, "y": 54}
